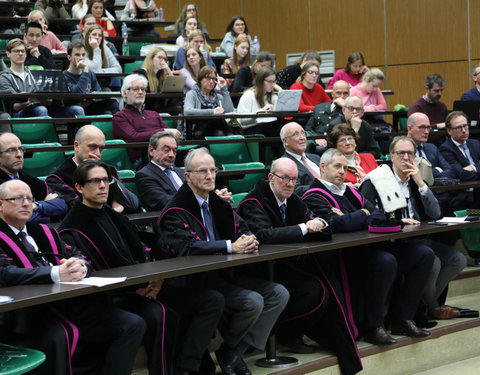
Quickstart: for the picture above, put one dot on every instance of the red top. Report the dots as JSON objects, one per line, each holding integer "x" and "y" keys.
{"x": 367, "y": 162}
{"x": 310, "y": 98}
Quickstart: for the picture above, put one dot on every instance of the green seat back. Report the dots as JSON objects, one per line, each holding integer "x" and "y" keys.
{"x": 17, "y": 360}
{"x": 130, "y": 67}
{"x": 117, "y": 157}
{"x": 135, "y": 47}
{"x": 104, "y": 126}
{"x": 249, "y": 180}
{"x": 124, "y": 173}
{"x": 237, "y": 198}
{"x": 470, "y": 236}
{"x": 35, "y": 67}
{"x": 42, "y": 163}
{"x": 229, "y": 153}
{"x": 169, "y": 123}
{"x": 33, "y": 132}
{"x": 3, "y": 44}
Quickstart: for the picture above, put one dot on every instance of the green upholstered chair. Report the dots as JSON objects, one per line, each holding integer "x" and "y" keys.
{"x": 248, "y": 181}
{"x": 42, "y": 163}
{"x": 104, "y": 125}
{"x": 117, "y": 157}
{"x": 18, "y": 360}
{"x": 36, "y": 132}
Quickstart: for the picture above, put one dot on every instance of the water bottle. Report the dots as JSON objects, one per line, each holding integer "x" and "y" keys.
{"x": 125, "y": 48}
{"x": 255, "y": 47}
{"x": 161, "y": 14}
{"x": 203, "y": 51}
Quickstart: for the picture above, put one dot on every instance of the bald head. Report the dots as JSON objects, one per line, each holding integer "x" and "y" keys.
{"x": 89, "y": 143}
{"x": 15, "y": 212}
{"x": 340, "y": 89}
{"x": 294, "y": 138}
{"x": 418, "y": 126}
{"x": 11, "y": 157}
{"x": 283, "y": 177}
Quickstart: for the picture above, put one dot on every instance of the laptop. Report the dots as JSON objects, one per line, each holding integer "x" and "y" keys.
{"x": 174, "y": 84}
{"x": 50, "y": 80}
{"x": 288, "y": 101}
{"x": 471, "y": 109}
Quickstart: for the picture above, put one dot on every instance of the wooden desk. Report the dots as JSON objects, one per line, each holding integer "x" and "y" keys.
{"x": 31, "y": 295}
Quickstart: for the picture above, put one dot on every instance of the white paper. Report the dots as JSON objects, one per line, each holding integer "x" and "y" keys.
{"x": 451, "y": 219}
{"x": 96, "y": 281}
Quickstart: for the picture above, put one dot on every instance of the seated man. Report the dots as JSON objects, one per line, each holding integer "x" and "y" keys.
{"x": 276, "y": 215}
{"x": 82, "y": 80}
{"x": 134, "y": 123}
{"x": 352, "y": 115}
{"x": 373, "y": 267}
{"x": 36, "y": 53}
{"x": 196, "y": 222}
{"x": 34, "y": 254}
{"x": 46, "y": 206}
{"x": 159, "y": 180}
{"x": 89, "y": 144}
{"x": 421, "y": 205}
{"x": 18, "y": 79}
{"x": 473, "y": 94}
{"x": 86, "y": 226}
{"x": 294, "y": 141}
{"x": 430, "y": 103}
{"x": 324, "y": 114}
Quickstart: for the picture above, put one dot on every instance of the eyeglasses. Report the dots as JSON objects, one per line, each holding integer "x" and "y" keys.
{"x": 272, "y": 82}
{"x": 18, "y": 200}
{"x": 213, "y": 79}
{"x": 204, "y": 171}
{"x": 286, "y": 179}
{"x": 13, "y": 150}
{"x": 96, "y": 181}
{"x": 403, "y": 153}
{"x": 424, "y": 128}
{"x": 298, "y": 134}
{"x": 137, "y": 89}
{"x": 354, "y": 109}
{"x": 18, "y": 51}
{"x": 313, "y": 72}
{"x": 346, "y": 139}
{"x": 460, "y": 127}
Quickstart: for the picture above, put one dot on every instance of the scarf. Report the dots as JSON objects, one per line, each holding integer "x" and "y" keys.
{"x": 354, "y": 161}
{"x": 206, "y": 103}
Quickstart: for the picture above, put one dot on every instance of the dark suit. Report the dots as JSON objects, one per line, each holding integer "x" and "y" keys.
{"x": 319, "y": 124}
{"x": 457, "y": 160}
{"x": 305, "y": 178}
{"x": 471, "y": 94}
{"x": 154, "y": 187}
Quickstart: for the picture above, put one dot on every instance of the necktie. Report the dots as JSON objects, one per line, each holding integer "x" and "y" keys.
{"x": 419, "y": 151}
{"x": 207, "y": 219}
{"x": 467, "y": 153}
{"x": 168, "y": 171}
{"x": 283, "y": 212}
{"x": 310, "y": 169}
{"x": 31, "y": 249}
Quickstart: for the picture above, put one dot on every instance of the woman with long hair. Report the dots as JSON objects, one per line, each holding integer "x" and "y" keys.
{"x": 97, "y": 9}
{"x": 49, "y": 39}
{"x": 246, "y": 74}
{"x": 261, "y": 97}
{"x": 369, "y": 91}
{"x": 80, "y": 9}
{"x": 98, "y": 57}
{"x": 194, "y": 61}
{"x": 241, "y": 56}
{"x": 235, "y": 28}
{"x": 197, "y": 39}
{"x": 312, "y": 92}
{"x": 191, "y": 24}
{"x": 352, "y": 73}
{"x": 189, "y": 10}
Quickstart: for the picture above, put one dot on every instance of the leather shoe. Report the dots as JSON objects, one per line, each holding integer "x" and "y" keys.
{"x": 444, "y": 312}
{"x": 242, "y": 368}
{"x": 298, "y": 346}
{"x": 228, "y": 360}
{"x": 408, "y": 328}
{"x": 378, "y": 336}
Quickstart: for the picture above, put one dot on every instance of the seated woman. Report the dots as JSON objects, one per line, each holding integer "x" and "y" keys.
{"x": 80, "y": 9}
{"x": 141, "y": 10}
{"x": 289, "y": 75}
{"x": 49, "y": 39}
{"x": 189, "y": 10}
{"x": 261, "y": 97}
{"x": 345, "y": 139}
{"x": 235, "y": 28}
{"x": 203, "y": 100}
{"x": 196, "y": 39}
{"x": 190, "y": 25}
{"x": 98, "y": 57}
{"x": 312, "y": 92}
{"x": 97, "y": 9}
{"x": 88, "y": 21}
{"x": 155, "y": 68}
{"x": 352, "y": 73}
{"x": 369, "y": 91}
{"x": 246, "y": 74}
{"x": 194, "y": 61}
{"x": 241, "y": 56}
{"x": 52, "y": 9}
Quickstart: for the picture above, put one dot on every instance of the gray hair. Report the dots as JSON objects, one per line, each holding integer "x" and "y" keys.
{"x": 347, "y": 101}
{"x": 192, "y": 153}
{"x": 327, "y": 156}
{"x": 434, "y": 78}
{"x": 128, "y": 80}
{"x": 153, "y": 141}
{"x": 475, "y": 68}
